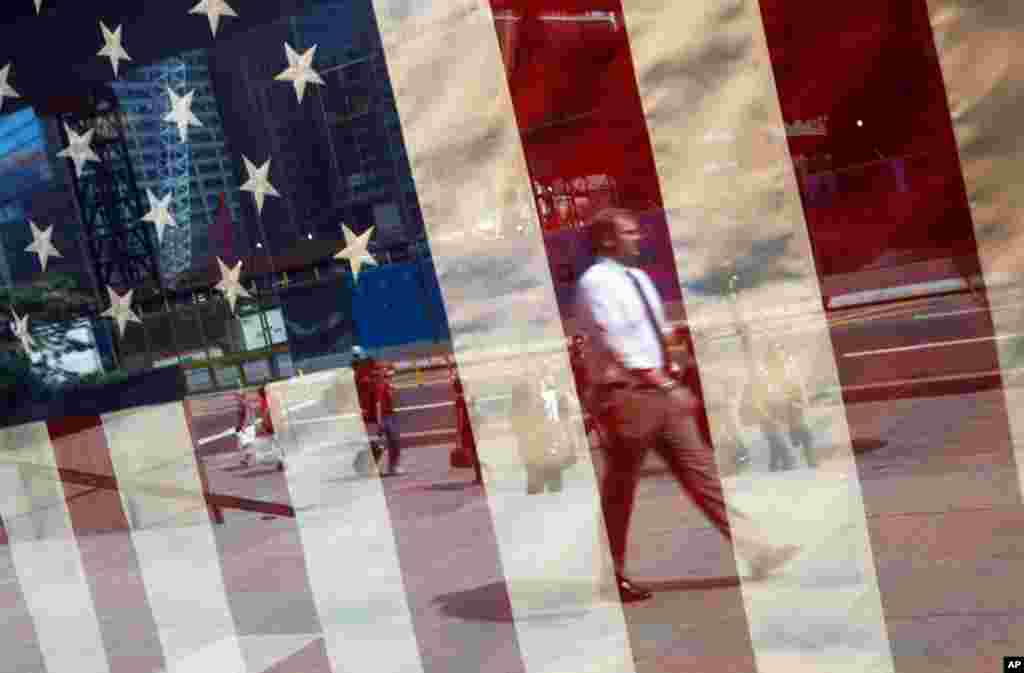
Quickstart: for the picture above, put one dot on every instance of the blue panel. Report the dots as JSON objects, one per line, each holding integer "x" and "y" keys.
{"x": 398, "y": 304}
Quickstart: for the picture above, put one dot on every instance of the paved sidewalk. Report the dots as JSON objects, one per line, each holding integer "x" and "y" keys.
{"x": 944, "y": 524}
{"x": 943, "y": 518}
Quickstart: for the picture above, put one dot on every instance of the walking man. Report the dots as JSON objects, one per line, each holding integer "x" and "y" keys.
{"x": 639, "y": 401}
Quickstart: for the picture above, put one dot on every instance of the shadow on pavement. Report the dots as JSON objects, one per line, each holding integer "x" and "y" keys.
{"x": 489, "y": 603}
{"x": 865, "y": 444}
{"x": 260, "y": 473}
{"x": 451, "y": 486}
{"x": 700, "y": 584}
{"x": 350, "y": 478}
{"x": 536, "y": 600}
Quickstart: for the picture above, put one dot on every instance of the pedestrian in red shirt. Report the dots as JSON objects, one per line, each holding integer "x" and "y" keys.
{"x": 365, "y": 372}
{"x": 266, "y": 428}
{"x": 255, "y": 427}
{"x": 384, "y": 416}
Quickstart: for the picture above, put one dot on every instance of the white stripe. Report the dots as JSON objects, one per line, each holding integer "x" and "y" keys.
{"x": 421, "y": 407}
{"x": 992, "y": 281}
{"x": 348, "y": 541}
{"x": 462, "y": 138}
{"x": 977, "y": 45}
{"x": 213, "y": 438}
{"x": 428, "y": 433}
{"x": 435, "y": 405}
{"x": 931, "y": 344}
{"x": 231, "y": 431}
{"x": 302, "y": 405}
{"x": 823, "y": 611}
{"x": 897, "y": 292}
{"x": 324, "y": 419}
{"x": 1009, "y": 376}
{"x": 946, "y": 314}
{"x": 173, "y": 538}
{"x": 46, "y": 555}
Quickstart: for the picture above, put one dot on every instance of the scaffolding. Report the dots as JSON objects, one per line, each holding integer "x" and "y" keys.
{"x": 120, "y": 247}
{"x": 172, "y": 160}
{"x": 175, "y": 175}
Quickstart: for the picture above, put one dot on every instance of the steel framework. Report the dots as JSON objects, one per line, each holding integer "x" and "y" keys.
{"x": 175, "y": 172}
{"x": 146, "y": 89}
{"x": 121, "y": 247}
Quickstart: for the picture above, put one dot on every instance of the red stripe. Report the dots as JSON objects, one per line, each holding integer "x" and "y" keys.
{"x": 109, "y": 560}
{"x": 448, "y": 617}
{"x": 585, "y": 70}
{"x": 436, "y": 561}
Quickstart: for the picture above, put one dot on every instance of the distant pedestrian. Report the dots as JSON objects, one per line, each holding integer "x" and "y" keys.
{"x": 732, "y": 417}
{"x": 776, "y": 401}
{"x": 384, "y": 413}
{"x": 255, "y": 429}
{"x": 364, "y": 371}
{"x": 364, "y": 374}
{"x": 539, "y": 427}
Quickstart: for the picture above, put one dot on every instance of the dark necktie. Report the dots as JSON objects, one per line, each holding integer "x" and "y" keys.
{"x": 649, "y": 310}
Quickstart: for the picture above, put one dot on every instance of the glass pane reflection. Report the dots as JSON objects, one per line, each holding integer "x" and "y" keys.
{"x": 368, "y": 405}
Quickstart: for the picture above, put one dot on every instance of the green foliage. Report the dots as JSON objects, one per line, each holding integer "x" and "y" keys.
{"x": 22, "y": 379}
{"x": 53, "y": 294}
{"x": 51, "y": 303}
{"x": 12, "y": 369}
{"x": 102, "y": 378}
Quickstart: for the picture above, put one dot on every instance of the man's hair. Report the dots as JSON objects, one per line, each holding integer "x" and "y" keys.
{"x": 602, "y": 227}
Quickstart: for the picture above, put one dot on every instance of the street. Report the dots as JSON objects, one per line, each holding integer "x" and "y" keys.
{"x": 933, "y": 493}
{"x": 318, "y": 568}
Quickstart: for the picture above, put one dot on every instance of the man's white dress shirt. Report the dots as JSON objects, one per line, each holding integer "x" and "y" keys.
{"x": 613, "y": 318}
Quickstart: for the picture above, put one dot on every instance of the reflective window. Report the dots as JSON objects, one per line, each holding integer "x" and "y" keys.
{"x": 399, "y": 329}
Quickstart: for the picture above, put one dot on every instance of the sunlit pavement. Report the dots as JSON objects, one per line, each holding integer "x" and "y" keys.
{"x": 943, "y": 515}
{"x": 934, "y": 484}
{"x": 932, "y": 492}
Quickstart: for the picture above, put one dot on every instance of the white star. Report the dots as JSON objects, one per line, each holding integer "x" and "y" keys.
{"x": 41, "y": 244}
{"x": 159, "y": 213}
{"x": 229, "y": 284}
{"x": 20, "y": 327}
{"x": 300, "y": 70}
{"x": 258, "y": 182}
{"x": 214, "y": 9}
{"x": 120, "y": 309}
{"x": 112, "y": 48}
{"x": 181, "y": 113}
{"x": 78, "y": 149}
{"x": 355, "y": 251}
{"x": 5, "y": 89}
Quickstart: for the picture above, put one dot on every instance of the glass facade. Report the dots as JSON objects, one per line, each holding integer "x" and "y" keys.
{"x": 388, "y": 334}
